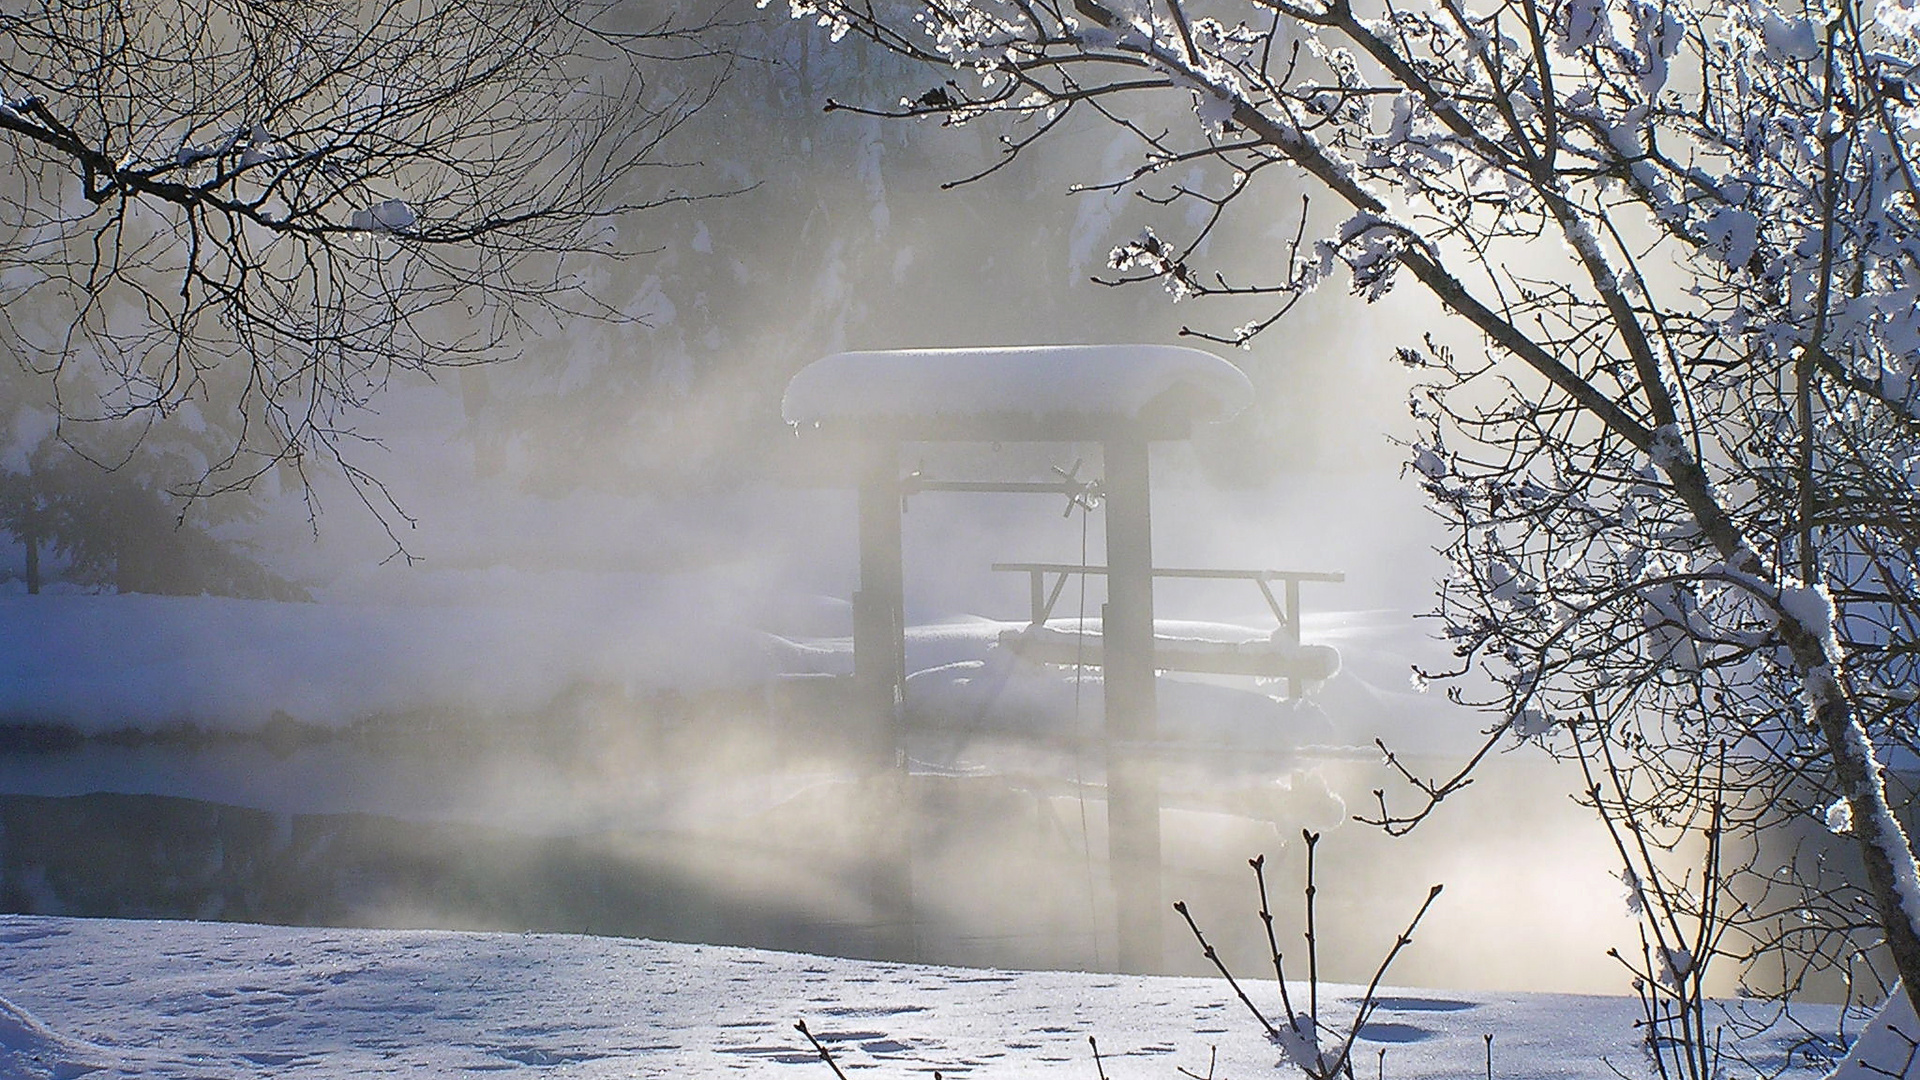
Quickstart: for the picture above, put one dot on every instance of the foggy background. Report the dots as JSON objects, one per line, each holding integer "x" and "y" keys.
{"x": 544, "y": 697}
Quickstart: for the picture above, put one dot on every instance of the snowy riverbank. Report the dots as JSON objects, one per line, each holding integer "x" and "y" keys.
{"x": 147, "y": 1000}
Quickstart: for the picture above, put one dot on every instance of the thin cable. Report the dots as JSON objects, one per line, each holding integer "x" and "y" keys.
{"x": 1080, "y": 742}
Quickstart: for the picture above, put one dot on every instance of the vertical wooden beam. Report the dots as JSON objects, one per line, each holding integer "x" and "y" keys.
{"x": 879, "y": 673}
{"x": 879, "y": 616}
{"x": 1133, "y": 779}
{"x": 1293, "y": 630}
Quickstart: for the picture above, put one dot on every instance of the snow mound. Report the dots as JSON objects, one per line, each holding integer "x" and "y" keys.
{"x": 106, "y": 663}
{"x": 1006, "y": 696}
{"x": 30, "y": 1050}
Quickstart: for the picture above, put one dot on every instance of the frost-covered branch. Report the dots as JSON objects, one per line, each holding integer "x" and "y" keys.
{"x": 268, "y": 210}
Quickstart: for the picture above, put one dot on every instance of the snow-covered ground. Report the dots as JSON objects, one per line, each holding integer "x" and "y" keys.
{"x": 113, "y": 999}
{"x": 106, "y": 663}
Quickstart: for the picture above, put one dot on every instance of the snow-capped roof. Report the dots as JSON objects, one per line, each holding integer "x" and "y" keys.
{"x": 1045, "y": 392}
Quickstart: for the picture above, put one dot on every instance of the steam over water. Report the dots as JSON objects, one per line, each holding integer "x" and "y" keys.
{"x": 739, "y": 810}
{"x": 598, "y": 689}
{"x": 728, "y": 844}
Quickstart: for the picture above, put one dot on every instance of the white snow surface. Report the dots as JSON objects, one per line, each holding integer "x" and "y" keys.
{"x": 1046, "y": 380}
{"x": 1886, "y": 1047}
{"x": 106, "y": 663}
{"x": 1812, "y": 608}
{"x": 152, "y": 999}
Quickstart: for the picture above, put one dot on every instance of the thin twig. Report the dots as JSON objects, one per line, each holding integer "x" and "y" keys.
{"x": 1207, "y": 949}
{"x": 1313, "y": 949}
{"x": 801, "y": 1026}
{"x": 1368, "y": 1000}
{"x": 1259, "y": 864}
{"x": 1213, "y": 1060}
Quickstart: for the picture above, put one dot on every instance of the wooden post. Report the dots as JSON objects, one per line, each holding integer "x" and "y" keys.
{"x": 1292, "y": 624}
{"x": 1133, "y": 779}
{"x": 879, "y": 672}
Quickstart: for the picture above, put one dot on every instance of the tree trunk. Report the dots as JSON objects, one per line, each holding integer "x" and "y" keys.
{"x": 1892, "y": 881}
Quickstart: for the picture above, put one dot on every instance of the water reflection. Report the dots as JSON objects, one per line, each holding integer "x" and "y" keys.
{"x": 748, "y": 830}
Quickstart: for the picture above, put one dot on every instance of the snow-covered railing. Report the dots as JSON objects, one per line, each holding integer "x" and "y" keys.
{"x": 1044, "y": 597}
{"x": 1280, "y": 656}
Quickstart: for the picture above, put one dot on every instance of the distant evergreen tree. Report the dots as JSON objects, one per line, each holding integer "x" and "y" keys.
{"x": 114, "y": 528}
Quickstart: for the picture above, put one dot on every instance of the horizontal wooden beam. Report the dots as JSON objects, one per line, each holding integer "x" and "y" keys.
{"x": 909, "y": 486}
{"x": 1230, "y": 575}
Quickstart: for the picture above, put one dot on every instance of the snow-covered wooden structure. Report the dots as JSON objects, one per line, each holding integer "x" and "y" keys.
{"x": 1053, "y": 393}
{"x": 1119, "y": 396}
{"x": 1282, "y": 655}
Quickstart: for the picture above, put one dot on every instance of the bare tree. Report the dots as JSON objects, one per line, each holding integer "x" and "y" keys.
{"x": 1679, "y": 472}
{"x": 265, "y": 210}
